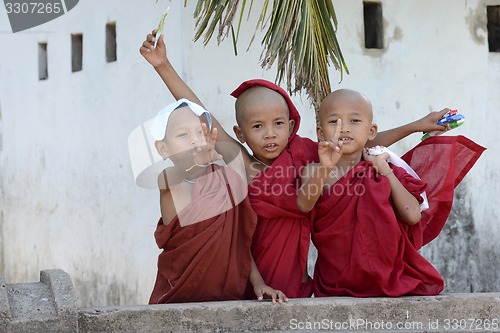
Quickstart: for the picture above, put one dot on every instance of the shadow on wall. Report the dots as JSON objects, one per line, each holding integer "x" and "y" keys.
{"x": 456, "y": 252}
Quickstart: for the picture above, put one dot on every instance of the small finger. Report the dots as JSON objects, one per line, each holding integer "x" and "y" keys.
{"x": 214, "y": 135}
{"x": 443, "y": 111}
{"x": 338, "y": 129}
{"x": 204, "y": 130}
{"x": 147, "y": 45}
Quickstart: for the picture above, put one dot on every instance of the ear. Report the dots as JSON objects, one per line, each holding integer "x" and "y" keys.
{"x": 238, "y": 133}
{"x": 319, "y": 132}
{"x": 372, "y": 132}
{"x": 162, "y": 149}
{"x": 291, "y": 124}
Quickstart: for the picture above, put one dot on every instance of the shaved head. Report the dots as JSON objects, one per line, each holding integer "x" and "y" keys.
{"x": 257, "y": 98}
{"x": 342, "y": 97}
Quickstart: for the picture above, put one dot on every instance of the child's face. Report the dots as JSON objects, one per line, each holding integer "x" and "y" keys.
{"x": 182, "y": 136}
{"x": 265, "y": 129}
{"x": 356, "y": 117}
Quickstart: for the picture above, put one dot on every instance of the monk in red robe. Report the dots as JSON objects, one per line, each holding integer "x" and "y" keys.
{"x": 208, "y": 259}
{"x": 207, "y": 222}
{"x": 367, "y": 224}
{"x": 282, "y": 237}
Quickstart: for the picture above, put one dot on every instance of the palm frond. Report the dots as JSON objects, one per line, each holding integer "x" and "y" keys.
{"x": 301, "y": 37}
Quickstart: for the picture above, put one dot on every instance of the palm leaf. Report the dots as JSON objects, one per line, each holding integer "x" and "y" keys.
{"x": 300, "y": 37}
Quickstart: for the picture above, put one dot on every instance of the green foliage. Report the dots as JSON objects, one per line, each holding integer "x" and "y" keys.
{"x": 301, "y": 35}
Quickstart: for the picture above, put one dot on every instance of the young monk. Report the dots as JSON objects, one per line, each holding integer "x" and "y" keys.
{"x": 206, "y": 223}
{"x": 268, "y": 123}
{"x": 367, "y": 224}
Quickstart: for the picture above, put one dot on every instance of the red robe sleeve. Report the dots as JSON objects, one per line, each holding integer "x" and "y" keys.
{"x": 208, "y": 259}
{"x": 363, "y": 249}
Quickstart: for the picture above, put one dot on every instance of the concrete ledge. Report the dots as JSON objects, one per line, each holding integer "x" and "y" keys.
{"x": 444, "y": 313}
{"x": 4, "y": 306}
{"x": 45, "y": 306}
{"x": 50, "y": 306}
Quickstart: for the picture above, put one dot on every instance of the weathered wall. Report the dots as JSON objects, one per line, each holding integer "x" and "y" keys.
{"x": 68, "y": 198}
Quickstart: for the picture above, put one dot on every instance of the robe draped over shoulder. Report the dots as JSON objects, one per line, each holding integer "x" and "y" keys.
{"x": 281, "y": 240}
{"x": 363, "y": 249}
{"x": 209, "y": 258}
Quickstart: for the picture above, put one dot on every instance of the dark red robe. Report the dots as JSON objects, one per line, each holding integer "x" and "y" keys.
{"x": 281, "y": 240}
{"x": 208, "y": 260}
{"x": 442, "y": 162}
{"x": 363, "y": 249}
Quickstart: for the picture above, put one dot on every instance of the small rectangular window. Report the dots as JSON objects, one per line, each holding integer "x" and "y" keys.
{"x": 374, "y": 25}
{"x": 43, "y": 72}
{"x": 111, "y": 42}
{"x": 493, "y": 13}
{"x": 76, "y": 52}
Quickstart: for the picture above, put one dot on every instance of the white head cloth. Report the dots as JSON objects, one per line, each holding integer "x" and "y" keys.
{"x": 145, "y": 160}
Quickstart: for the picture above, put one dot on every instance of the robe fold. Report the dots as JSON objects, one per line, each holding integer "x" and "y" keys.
{"x": 363, "y": 249}
{"x": 208, "y": 259}
{"x": 442, "y": 162}
{"x": 281, "y": 240}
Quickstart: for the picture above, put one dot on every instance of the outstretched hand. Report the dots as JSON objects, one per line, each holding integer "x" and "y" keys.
{"x": 206, "y": 153}
{"x": 331, "y": 151}
{"x": 156, "y": 56}
{"x": 264, "y": 291}
{"x": 428, "y": 123}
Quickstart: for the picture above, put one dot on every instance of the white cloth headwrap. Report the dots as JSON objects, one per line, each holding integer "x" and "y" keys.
{"x": 161, "y": 120}
{"x": 145, "y": 160}
{"x": 397, "y": 161}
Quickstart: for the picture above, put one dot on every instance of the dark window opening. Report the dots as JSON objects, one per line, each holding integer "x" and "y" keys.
{"x": 493, "y": 13}
{"x": 111, "y": 42}
{"x": 43, "y": 71}
{"x": 76, "y": 52}
{"x": 374, "y": 26}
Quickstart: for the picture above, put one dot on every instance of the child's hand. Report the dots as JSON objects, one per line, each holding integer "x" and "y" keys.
{"x": 275, "y": 295}
{"x": 429, "y": 122}
{"x": 156, "y": 56}
{"x": 379, "y": 162}
{"x": 330, "y": 152}
{"x": 207, "y": 154}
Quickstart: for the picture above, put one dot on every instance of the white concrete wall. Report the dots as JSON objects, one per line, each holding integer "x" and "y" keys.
{"x": 67, "y": 196}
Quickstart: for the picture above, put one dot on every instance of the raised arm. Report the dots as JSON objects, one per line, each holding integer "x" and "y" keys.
{"x": 427, "y": 123}
{"x": 314, "y": 176}
{"x": 157, "y": 57}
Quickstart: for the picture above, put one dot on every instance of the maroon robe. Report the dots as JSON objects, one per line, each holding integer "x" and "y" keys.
{"x": 208, "y": 259}
{"x": 281, "y": 240}
{"x": 363, "y": 249}
{"x": 442, "y": 162}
